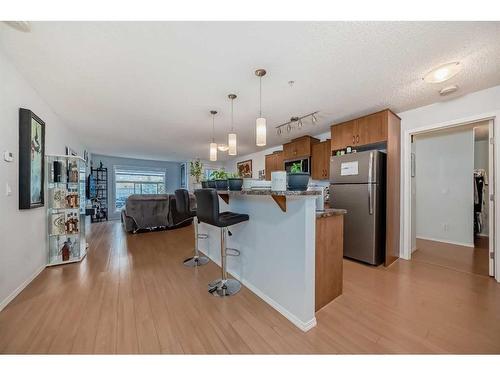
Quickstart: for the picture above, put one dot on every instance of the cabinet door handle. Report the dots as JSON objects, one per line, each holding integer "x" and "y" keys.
{"x": 353, "y": 140}
{"x": 357, "y": 138}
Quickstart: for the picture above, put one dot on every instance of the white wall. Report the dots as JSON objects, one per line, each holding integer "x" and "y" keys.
{"x": 23, "y": 251}
{"x": 444, "y": 186}
{"x": 481, "y": 151}
{"x": 468, "y": 108}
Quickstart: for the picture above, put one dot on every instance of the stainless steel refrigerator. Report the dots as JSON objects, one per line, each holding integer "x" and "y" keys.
{"x": 357, "y": 184}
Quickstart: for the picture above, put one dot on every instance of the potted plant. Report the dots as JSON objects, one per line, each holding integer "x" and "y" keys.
{"x": 297, "y": 180}
{"x": 211, "y": 181}
{"x": 195, "y": 170}
{"x": 220, "y": 178}
{"x": 235, "y": 182}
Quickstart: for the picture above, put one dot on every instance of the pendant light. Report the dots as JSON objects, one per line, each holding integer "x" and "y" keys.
{"x": 231, "y": 137}
{"x": 213, "y": 145}
{"x": 260, "y": 123}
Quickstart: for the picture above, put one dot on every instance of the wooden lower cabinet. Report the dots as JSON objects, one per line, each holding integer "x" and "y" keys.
{"x": 329, "y": 259}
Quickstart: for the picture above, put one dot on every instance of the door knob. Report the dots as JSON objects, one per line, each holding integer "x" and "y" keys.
{"x": 357, "y": 138}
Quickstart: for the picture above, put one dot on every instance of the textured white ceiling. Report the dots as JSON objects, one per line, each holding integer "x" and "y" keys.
{"x": 144, "y": 89}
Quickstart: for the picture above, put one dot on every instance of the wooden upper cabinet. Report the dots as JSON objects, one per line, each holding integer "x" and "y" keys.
{"x": 274, "y": 162}
{"x": 269, "y": 165}
{"x": 280, "y": 161}
{"x": 361, "y": 131}
{"x": 320, "y": 160}
{"x": 371, "y": 129}
{"x": 299, "y": 148}
{"x": 343, "y": 135}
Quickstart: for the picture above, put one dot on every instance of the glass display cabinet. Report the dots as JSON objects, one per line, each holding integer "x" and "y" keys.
{"x": 65, "y": 183}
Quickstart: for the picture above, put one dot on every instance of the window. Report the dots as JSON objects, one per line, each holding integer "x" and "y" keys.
{"x": 208, "y": 172}
{"x": 132, "y": 181}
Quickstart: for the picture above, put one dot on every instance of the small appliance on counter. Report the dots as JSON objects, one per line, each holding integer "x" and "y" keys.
{"x": 278, "y": 181}
{"x": 250, "y": 183}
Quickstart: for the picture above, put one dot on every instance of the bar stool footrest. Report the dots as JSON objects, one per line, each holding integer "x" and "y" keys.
{"x": 196, "y": 261}
{"x": 224, "y": 288}
{"x": 232, "y": 252}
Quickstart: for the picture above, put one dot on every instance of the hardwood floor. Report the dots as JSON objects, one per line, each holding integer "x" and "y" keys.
{"x": 132, "y": 294}
{"x": 461, "y": 258}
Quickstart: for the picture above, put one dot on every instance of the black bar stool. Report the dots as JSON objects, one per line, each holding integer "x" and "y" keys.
{"x": 183, "y": 206}
{"x": 207, "y": 211}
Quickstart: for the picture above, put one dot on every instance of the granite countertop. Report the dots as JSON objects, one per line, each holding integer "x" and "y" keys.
{"x": 269, "y": 192}
{"x": 330, "y": 212}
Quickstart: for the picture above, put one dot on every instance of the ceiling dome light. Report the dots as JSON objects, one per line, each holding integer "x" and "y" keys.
{"x": 443, "y": 73}
{"x": 22, "y": 26}
{"x": 448, "y": 90}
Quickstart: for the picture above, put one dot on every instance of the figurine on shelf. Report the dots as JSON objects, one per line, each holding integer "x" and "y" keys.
{"x": 71, "y": 222}
{"x": 66, "y": 249}
{"x": 72, "y": 200}
{"x": 73, "y": 171}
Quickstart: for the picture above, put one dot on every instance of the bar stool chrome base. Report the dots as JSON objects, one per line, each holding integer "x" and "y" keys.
{"x": 224, "y": 288}
{"x": 197, "y": 260}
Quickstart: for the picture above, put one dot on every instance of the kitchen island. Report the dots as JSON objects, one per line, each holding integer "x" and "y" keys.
{"x": 278, "y": 248}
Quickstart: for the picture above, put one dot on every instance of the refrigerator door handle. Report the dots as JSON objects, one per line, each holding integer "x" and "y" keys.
{"x": 370, "y": 168}
{"x": 370, "y": 198}
{"x": 370, "y": 179}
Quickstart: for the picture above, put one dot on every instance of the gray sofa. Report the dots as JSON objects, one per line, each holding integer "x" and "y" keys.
{"x": 153, "y": 211}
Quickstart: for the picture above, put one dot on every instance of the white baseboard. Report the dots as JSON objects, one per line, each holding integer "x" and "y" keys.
{"x": 446, "y": 241}
{"x": 302, "y": 325}
{"x": 20, "y": 288}
{"x": 414, "y": 249}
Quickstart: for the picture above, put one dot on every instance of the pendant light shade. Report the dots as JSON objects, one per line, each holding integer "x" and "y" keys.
{"x": 260, "y": 131}
{"x": 213, "y": 145}
{"x": 260, "y": 123}
{"x": 213, "y": 151}
{"x": 232, "y": 143}
{"x": 231, "y": 137}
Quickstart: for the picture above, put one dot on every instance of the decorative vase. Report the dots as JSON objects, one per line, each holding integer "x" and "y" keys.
{"x": 235, "y": 184}
{"x": 298, "y": 181}
{"x": 221, "y": 184}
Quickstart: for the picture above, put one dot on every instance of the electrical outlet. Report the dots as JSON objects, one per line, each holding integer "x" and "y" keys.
{"x": 446, "y": 227}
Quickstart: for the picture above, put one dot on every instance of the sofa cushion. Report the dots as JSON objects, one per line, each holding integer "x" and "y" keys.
{"x": 149, "y": 210}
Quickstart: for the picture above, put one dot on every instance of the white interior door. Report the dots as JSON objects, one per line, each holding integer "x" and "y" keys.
{"x": 491, "y": 211}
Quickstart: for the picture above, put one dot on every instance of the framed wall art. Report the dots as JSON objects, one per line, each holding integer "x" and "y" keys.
{"x": 31, "y": 160}
{"x": 245, "y": 168}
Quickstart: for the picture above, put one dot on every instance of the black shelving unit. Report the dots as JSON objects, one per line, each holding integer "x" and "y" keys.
{"x": 100, "y": 200}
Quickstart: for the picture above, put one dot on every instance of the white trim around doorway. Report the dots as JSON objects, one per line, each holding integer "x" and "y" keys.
{"x": 406, "y": 216}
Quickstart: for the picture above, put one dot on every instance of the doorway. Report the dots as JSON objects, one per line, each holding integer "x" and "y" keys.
{"x": 451, "y": 177}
